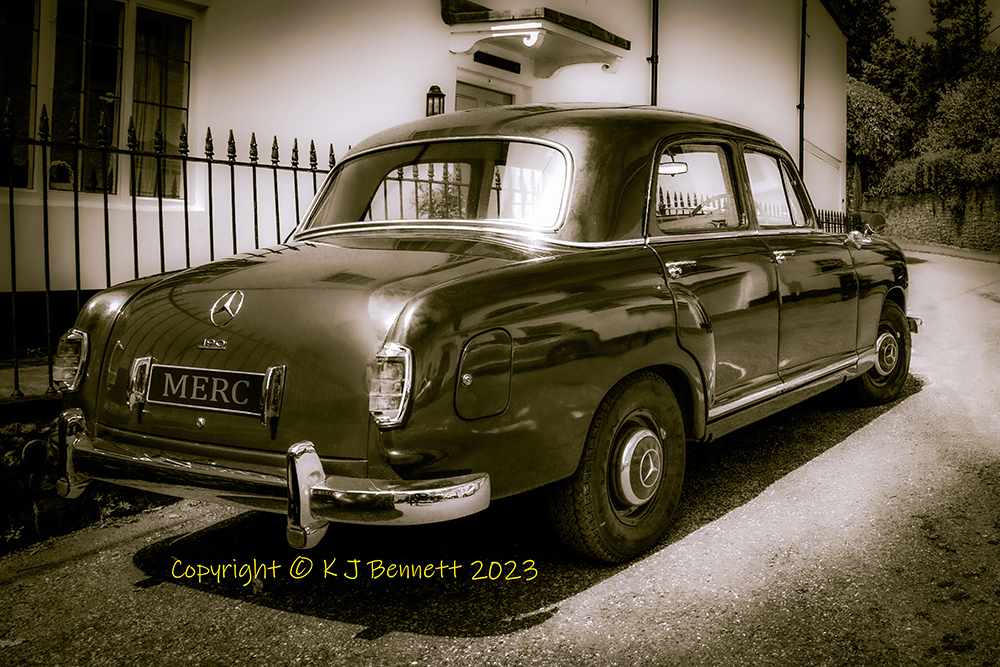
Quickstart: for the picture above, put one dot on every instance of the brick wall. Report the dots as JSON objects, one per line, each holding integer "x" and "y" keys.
{"x": 972, "y": 222}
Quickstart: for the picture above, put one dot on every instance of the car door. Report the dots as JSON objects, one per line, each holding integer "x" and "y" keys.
{"x": 818, "y": 287}
{"x": 719, "y": 271}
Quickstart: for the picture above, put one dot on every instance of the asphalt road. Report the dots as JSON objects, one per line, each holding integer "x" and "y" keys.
{"x": 826, "y": 535}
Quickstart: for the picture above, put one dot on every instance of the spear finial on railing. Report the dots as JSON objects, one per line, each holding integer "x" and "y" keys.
{"x": 159, "y": 145}
{"x": 132, "y": 142}
{"x": 74, "y": 121}
{"x": 102, "y": 131}
{"x": 295, "y": 152}
{"x": 43, "y": 124}
{"x": 183, "y": 141}
{"x": 274, "y": 151}
{"x": 232, "y": 147}
{"x": 313, "y": 160}
{"x": 253, "y": 148}
{"x": 209, "y": 145}
{"x": 6, "y": 119}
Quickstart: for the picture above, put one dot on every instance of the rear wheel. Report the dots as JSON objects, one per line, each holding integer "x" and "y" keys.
{"x": 884, "y": 381}
{"x": 622, "y": 497}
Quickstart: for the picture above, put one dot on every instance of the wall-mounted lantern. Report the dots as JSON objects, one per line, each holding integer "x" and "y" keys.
{"x": 435, "y": 101}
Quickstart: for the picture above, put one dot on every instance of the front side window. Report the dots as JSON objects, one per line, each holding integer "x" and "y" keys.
{"x": 507, "y": 182}
{"x": 694, "y": 191}
{"x": 775, "y": 199}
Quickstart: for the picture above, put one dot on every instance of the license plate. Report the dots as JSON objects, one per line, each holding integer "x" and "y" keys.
{"x": 207, "y": 389}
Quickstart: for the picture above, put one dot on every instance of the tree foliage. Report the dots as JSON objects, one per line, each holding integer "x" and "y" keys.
{"x": 876, "y": 125}
{"x": 946, "y": 91}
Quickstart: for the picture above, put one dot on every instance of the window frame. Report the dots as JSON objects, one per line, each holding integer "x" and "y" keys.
{"x": 45, "y": 80}
{"x": 785, "y": 168}
{"x": 732, "y": 156}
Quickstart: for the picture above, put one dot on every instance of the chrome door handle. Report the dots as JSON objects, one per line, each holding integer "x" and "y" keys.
{"x": 675, "y": 269}
{"x": 781, "y": 255}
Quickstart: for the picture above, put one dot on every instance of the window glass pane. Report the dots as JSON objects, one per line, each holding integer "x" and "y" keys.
{"x": 799, "y": 218}
{"x": 767, "y": 187}
{"x": 694, "y": 191}
{"x": 86, "y": 91}
{"x": 161, "y": 78}
{"x": 18, "y": 59}
{"x": 518, "y": 183}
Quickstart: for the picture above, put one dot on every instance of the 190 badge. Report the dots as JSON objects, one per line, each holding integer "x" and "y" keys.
{"x": 212, "y": 344}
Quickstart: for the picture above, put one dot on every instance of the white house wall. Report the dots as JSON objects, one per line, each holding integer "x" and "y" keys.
{"x": 338, "y": 71}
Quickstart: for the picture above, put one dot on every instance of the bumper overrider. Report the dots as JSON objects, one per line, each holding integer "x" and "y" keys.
{"x": 311, "y": 497}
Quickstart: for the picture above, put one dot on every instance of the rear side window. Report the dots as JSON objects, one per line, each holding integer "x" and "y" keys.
{"x": 775, "y": 199}
{"x": 694, "y": 191}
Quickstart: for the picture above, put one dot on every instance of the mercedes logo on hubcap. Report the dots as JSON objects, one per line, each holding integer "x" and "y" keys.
{"x": 226, "y": 308}
{"x": 649, "y": 468}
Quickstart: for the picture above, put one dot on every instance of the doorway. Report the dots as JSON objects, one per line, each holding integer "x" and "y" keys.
{"x": 468, "y": 96}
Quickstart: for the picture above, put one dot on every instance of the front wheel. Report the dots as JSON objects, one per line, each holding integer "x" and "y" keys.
{"x": 884, "y": 381}
{"x": 623, "y": 495}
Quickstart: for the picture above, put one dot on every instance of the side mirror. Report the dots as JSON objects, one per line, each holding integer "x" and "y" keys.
{"x": 875, "y": 224}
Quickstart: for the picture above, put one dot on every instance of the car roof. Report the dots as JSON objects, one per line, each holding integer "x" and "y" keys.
{"x": 549, "y": 121}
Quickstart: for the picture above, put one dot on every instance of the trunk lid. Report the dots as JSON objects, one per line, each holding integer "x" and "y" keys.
{"x": 320, "y": 309}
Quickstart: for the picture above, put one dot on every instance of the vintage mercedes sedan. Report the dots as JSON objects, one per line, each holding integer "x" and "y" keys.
{"x": 482, "y": 304}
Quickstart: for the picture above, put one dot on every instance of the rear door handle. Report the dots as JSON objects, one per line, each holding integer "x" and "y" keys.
{"x": 781, "y": 255}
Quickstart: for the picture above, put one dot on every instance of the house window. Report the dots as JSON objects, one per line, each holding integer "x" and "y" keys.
{"x": 112, "y": 60}
{"x": 18, "y": 87}
{"x": 160, "y": 97}
{"x": 86, "y": 91}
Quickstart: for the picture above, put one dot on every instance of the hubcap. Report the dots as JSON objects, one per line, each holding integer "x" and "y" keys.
{"x": 886, "y": 354}
{"x": 640, "y": 467}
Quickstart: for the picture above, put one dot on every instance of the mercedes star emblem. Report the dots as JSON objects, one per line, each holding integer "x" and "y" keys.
{"x": 226, "y": 308}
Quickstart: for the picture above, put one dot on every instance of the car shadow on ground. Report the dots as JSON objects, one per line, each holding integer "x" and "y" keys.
{"x": 490, "y": 574}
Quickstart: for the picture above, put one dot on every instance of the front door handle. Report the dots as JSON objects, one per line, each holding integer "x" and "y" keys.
{"x": 675, "y": 269}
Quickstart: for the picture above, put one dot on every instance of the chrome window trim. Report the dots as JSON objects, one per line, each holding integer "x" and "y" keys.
{"x": 534, "y": 238}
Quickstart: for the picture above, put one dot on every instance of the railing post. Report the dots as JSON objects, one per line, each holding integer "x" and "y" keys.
{"x": 295, "y": 179}
{"x": 102, "y": 142}
{"x": 77, "y": 140}
{"x": 183, "y": 150}
{"x": 159, "y": 147}
{"x": 209, "y": 156}
{"x": 43, "y": 135}
{"x": 133, "y": 146}
{"x": 313, "y": 163}
{"x": 274, "y": 169}
{"x": 232, "y": 181}
{"x": 8, "y": 134}
{"x": 253, "y": 174}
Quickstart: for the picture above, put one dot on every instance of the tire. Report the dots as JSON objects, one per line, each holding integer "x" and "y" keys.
{"x": 614, "y": 513}
{"x": 884, "y": 381}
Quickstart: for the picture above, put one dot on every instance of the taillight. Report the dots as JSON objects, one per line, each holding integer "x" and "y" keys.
{"x": 392, "y": 376}
{"x": 71, "y": 360}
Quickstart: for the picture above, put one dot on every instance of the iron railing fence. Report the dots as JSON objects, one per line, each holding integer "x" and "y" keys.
{"x": 232, "y": 196}
{"x": 838, "y": 222}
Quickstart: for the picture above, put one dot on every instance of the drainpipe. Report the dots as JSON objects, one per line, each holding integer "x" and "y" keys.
{"x": 802, "y": 91}
{"x": 654, "y": 59}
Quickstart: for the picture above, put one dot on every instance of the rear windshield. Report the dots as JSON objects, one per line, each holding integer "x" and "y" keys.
{"x": 507, "y": 182}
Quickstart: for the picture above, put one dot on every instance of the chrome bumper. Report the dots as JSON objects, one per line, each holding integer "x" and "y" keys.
{"x": 311, "y": 498}
{"x": 914, "y": 324}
